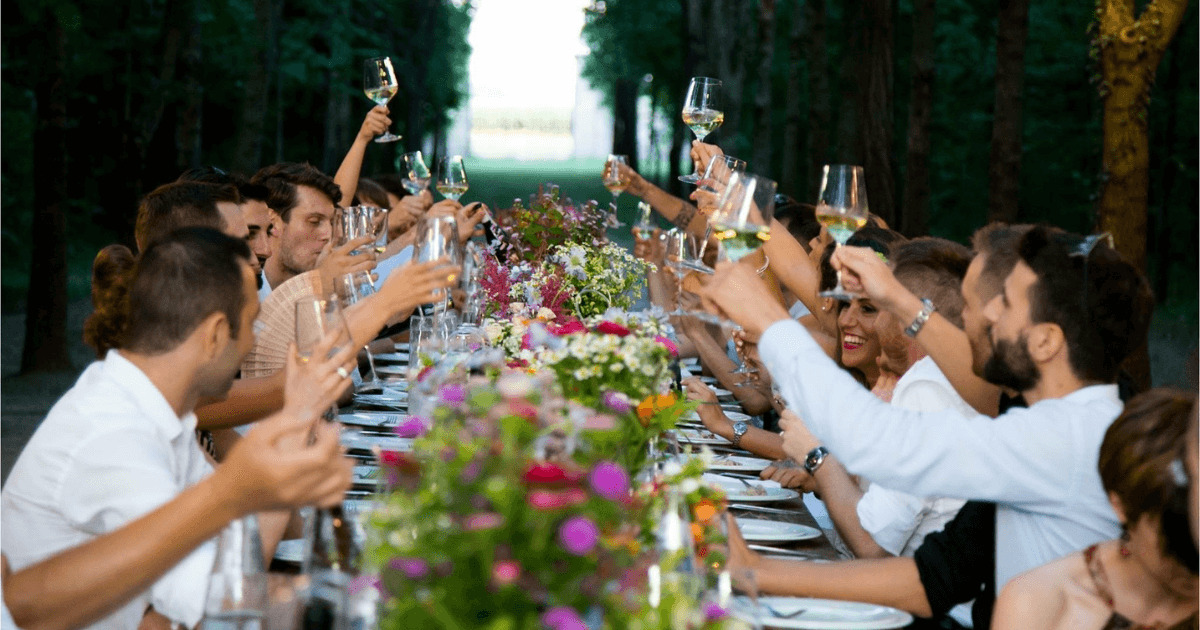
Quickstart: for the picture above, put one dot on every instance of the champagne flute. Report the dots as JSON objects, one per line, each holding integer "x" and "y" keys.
{"x": 380, "y": 85}
{"x": 452, "y": 177}
{"x": 416, "y": 174}
{"x": 742, "y": 220}
{"x": 702, "y": 112}
{"x": 842, "y": 209}
{"x": 616, "y": 183}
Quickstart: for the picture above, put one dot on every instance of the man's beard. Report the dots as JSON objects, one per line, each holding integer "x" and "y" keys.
{"x": 1011, "y": 365}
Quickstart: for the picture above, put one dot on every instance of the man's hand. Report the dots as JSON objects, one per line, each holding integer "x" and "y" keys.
{"x": 311, "y": 386}
{"x": 737, "y": 292}
{"x": 797, "y": 439}
{"x": 415, "y": 284}
{"x": 339, "y": 261}
{"x": 789, "y": 475}
{"x": 864, "y": 272}
{"x": 376, "y": 122}
{"x": 406, "y": 213}
{"x": 710, "y": 412}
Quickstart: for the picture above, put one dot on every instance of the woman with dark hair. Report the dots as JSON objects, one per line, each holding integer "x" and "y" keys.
{"x": 1148, "y": 577}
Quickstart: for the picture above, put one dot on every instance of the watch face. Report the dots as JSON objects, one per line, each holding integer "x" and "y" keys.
{"x": 740, "y": 428}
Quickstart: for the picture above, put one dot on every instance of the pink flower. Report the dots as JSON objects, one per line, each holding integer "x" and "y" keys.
{"x": 670, "y": 345}
{"x": 453, "y": 394}
{"x": 471, "y": 472}
{"x": 556, "y": 500}
{"x": 414, "y": 427}
{"x": 713, "y": 612}
{"x": 550, "y": 473}
{"x": 612, "y": 328}
{"x": 563, "y": 618}
{"x": 506, "y": 572}
{"x": 609, "y": 481}
{"x": 578, "y": 535}
{"x": 482, "y": 521}
{"x": 616, "y": 401}
{"x": 569, "y": 328}
{"x": 414, "y": 568}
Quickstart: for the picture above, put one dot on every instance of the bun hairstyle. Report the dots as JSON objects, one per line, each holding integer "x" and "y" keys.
{"x": 111, "y": 271}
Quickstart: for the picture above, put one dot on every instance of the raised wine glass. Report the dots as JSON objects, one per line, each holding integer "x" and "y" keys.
{"x": 380, "y": 85}
{"x": 742, "y": 219}
{"x": 645, "y": 226}
{"x": 437, "y": 239}
{"x": 416, "y": 174}
{"x": 316, "y": 318}
{"x": 354, "y": 288}
{"x": 702, "y": 112}
{"x": 452, "y": 177}
{"x": 616, "y": 183}
{"x": 842, "y": 209}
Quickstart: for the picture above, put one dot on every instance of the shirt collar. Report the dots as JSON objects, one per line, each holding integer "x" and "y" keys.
{"x": 129, "y": 377}
{"x": 1091, "y": 393}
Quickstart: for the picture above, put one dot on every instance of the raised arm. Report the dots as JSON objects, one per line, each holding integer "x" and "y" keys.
{"x": 678, "y": 211}
{"x": 346, "y": 178}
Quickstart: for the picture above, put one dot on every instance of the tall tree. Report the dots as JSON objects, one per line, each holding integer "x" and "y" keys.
{"x": 252, "y": 115}
{"x": 920, "y": 111}
{"x": 820, "y": 110}
{"x": 792, "y": 179}
{"x": 763, "y": 138}
{"x": 875, "y": 123}
{"x": 1004, "y": 173}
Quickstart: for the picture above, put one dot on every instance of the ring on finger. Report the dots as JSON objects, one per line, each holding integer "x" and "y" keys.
{"x": 342, "y": 372}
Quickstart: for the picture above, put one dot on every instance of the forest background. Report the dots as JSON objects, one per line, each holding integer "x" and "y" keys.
{"x": 961, "y": 111}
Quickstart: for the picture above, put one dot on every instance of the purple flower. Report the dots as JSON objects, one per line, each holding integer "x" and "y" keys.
{"x": 471, "y": 472}
{"x": 365, "y": 581}
{"x": 414, "y": 427}
{"x": 578, "y": 535}
{"x": 453, "y": 394}
{"x": 482, "y": 520}
{"x": 713, "y": 612}
{"x": 562, "y": 618}
{"x": 414, "y": 568}
{"x": 616, "y": 401}
{"x": 609, "y": 481}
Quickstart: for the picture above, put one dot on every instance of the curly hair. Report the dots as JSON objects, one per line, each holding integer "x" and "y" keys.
{"x": 111, "y": 272}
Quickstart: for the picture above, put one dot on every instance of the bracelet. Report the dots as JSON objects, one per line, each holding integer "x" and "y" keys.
{"x": 763, "y": 269}
{"x": 927, "y": 309}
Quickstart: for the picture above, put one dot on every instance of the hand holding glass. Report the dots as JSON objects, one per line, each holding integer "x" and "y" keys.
{"x": 380, "y": 85}
{"x": 842, "y": 209}
{"x": 415, "y": 172}
{"x": 702, "y": 112}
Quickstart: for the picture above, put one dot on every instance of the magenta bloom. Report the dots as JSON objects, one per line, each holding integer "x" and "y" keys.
{"x": 568, "y": 328}
{"x": 365, "y": 581}
{"x": 414, "y": 427}
{"x": 506, "y": 572}
{"x": 482, "y": 520}
{"x": 578, "y": 535}
{"x": 616, "y": 401}
{"x": 555, "y": 500}
{"x": 563, "y": 618}
{"x": 609, "y": 481}
{"x": 471, "y": 472}
{"x": 414, "y": 568}
{"x": 670, "y": 345}
{"x": 612, "y": 328}
{"x": 713, "y": 612}
{"x": 453, "y": 394}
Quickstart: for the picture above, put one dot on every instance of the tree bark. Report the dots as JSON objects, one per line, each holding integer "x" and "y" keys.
{"x": 763, "y": 138}
{"x": 820, "y": 116}
{"x": 920, "y": 113}
{"x": 252, "y": 119}
{"x": 875, "y": 108}
{"x": 791, "y": 180}
{"x": 1004, "y": 173}
{"x": 45, "y": 347}
{"x": 728, "y": 23}
{"x": 625, "y": 120}
{"x": 189, "y": 116}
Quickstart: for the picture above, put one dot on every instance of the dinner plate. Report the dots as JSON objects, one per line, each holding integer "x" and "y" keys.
{"x": 699, "y": 436}
{"x": 366, "y": 475}
{"x": 736, "y": 416}
{"x": 750, "y": 491}
{"x": 363, "y": 442}
{"x": 760, "y": 531}
{"x": 721, "y": 392}
{"x": 391, "y": 357}
{"x": 709, "y": 380}
{"x": 738, "y": 463}
{"x": 290, "y": 551}
{"x": 392, "y": 370}
{"x": 371, "y": 418}
{"x": 358, "y": 506}
{"x": 823, "y": 614}
{"x": 388, "y": 399}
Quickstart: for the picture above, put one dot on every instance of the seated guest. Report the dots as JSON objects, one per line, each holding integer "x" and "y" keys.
{"x": 801, "y": 223}
{"x": 254, "y": 208}
{"x": 1070, "y": 312}
{"x": 262, "y": 472}
{"x": 119, "y": 443}
{"x": 1147, "y": 578}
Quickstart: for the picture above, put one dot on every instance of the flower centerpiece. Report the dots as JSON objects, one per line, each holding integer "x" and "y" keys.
{"x": 528, "y": 233}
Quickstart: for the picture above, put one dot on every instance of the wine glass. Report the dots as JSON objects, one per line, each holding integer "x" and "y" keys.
{"x": 437, "y": 239}
{"x": 702, "y": 112}
{"x": 616, "y": 183}
{"x": 452, "y": 177}
{"x": 842, "y": 209}
{"x": 644, "y": 227}
{"x": 316, "y": 318}
{"x": 680, "y": 249}
{"x": 742, "y": 220}
{"x": 416, "y": 174}
{"x": 380, "y": 85}
{"x": 356, "y": 287}
{"x": 720, "y": 168}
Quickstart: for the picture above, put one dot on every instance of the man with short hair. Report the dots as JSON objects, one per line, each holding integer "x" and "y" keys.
{"x": 254, "y": 211}
{"x": 188, "y": 203}
{"x": 120, "y": 442}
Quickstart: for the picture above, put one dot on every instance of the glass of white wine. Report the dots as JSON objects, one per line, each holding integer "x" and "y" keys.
{"x": 415, "y": 172}
{"x": 452, "y": 177}
{"x": 616, "y": 182}
{"x": 742, "y": 220}
{"x": 842, "y": 209}
{"x": 702, "y": 112}
{"x": 380, "y": 85}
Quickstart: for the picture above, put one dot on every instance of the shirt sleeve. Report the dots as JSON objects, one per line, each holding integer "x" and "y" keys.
{"x": 957, "y": 564}
{"x": 1017, "y": 459}
{"x": 890, "y": 517}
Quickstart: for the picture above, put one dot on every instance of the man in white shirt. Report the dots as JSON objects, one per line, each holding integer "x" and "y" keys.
{"x": 120, "y": 442}
{"x": 1069, "y": 312}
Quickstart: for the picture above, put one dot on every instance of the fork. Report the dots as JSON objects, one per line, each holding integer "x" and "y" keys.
{"x": 779, "y": 615}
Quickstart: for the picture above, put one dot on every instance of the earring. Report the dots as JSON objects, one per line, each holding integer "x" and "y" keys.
{"x": 1124, "y": 549}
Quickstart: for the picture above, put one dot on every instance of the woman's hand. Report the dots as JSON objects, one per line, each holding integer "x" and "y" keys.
{"x": 311, "y": 385}
{"x": 375, "y": 123}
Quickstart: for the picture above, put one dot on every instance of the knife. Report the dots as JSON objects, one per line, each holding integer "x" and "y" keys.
{"x": 759, "y": 508}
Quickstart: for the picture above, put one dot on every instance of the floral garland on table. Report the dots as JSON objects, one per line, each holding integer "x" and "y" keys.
{"x": 506, "y": 516}
{"x": 527, "y": 234}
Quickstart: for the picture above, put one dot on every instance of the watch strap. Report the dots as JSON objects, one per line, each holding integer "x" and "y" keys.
{"x": 739, "y": 429}
{"x": 814, "y": 459}
{"x": 927, "y": 309}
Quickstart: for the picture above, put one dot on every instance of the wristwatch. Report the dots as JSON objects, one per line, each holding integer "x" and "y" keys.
{"x": 814, "y": 459}
{"x": 918, "y": 322}
{"x": 739, "y": 429}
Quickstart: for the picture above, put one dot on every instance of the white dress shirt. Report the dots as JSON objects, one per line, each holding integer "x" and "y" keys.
{"x": 111, "y": 450}
{"x": 1037, "y": 464}
{"x": 265, "y": 289}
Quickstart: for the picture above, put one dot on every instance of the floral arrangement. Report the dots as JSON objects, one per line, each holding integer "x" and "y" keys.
{"x": 599, "y": 277}
{"x": 507, "y": 516}
{"x": 527, "y": 234}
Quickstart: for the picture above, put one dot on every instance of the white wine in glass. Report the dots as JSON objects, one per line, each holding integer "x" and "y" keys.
{"x": 702, "y": 112}
{"x": 416, "y": 174}
{"x": 452, "y": 177}
{"x": 742, "y": 220}
{"x": 842, "y": 209}
{"x": 616, "y": 182}
{"x": 380, "y": 85}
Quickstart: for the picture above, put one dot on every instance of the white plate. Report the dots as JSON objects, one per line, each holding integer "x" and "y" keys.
{"x": 699, "y": 436}
{"x": 393, "y": 357}
{"x": 736, "y": 491}
{"x": 358, "y": 506}
{"x": 358, "y": 441}
{"x": 392, "y": 370}
{"x": 389, "y": 398}
{"x": 722, "y": 392}
{"x": 755, "y": 530}
{"x": 709, "y": 380}
{"x": 371, "y": 418}
{"x": 366, "y": 474}
{"x": 738, "y": 463}
{"x": 736, "y": 416}
{"x": 290, "y": 550}
{"x": 823, "y": 614}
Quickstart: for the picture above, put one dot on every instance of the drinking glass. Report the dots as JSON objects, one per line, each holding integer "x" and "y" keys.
{"x": 237, "y": 586}
{"x": 437, "y": 239}
{"x": 316, "y": 318}
{"x": 355, "y": 222}
{"x": 616, "y": 183}
{"x": 702, "y": 112}
{"x": 680, "y": 248}
{"x": 644, "y": 227}
{"x": 356, "y": 287}
{"x": 416, "y": 174}
{"x": 742, "y": 220}
{"x": 842, "y": 209}
{"x": 452, "y": 177}
{"x": 380, "y": 85}
{"x": 720, "y": 168}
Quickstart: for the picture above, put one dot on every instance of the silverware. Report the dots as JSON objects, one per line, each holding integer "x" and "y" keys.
{"x": 779, "y": 615}
{"x": 759, "y": 508}
{"x": 737, "y": 475}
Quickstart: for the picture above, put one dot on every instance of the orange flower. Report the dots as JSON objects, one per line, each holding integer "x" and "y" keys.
{"x": 654, "y": 404}
{"x": 705, "y": 511}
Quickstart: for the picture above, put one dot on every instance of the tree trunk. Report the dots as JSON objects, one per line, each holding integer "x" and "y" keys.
{"x": 763, "y": 138}
{"x": 45, "y": 346}
{"x": 728, "y": 23}
{"x": 190, "y": 112}
{"x": 1004, "y": 173}
{"x": 791, "y": 180}
{"x": 845, "y": 149}
{"x": 875, "y": 108}
{"x": 1130, "y": 50}
{"x": 252, "y": 119}
{"x": 625, "y": 120}
{"x": 820, "y": 109}
{"x": 920, "y": 112}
